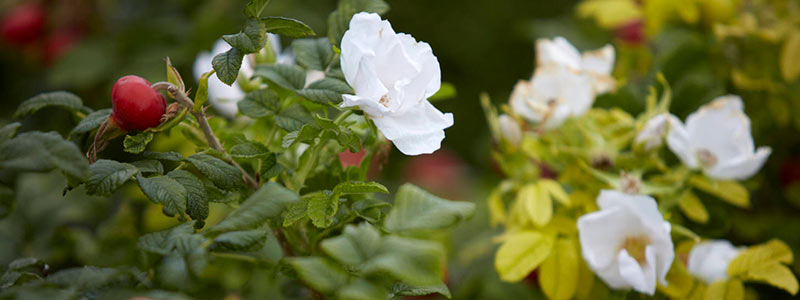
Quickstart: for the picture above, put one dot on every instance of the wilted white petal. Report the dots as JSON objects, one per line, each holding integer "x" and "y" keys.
{"x": 598, "y": 64}
{"x": 709, "y": 260}
{"x": 419, "y": 131}
{"x": 627, "y": 243}
{"x": 392, "y": 76}
{"x": 557, "y": 51}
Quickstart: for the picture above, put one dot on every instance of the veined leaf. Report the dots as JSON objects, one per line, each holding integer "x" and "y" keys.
{"x": 357, "y": 187}
{"x": 289, "y": 77}
{"x": 249, "y": 150}
{"x": 319, "y": 273}
{"x": 268, "y": 202}
{"x": 259, "y": 103}
{"x": 250, "y": 39}
{"x": 227, "y": 65}
{"x": 313, "y": 54}
{"x": 355, "y": 246}
{"x": 774, "y": 251}
{"x": 91, "y": 122}
{"x": 414, "y": 262}
{"x": 558, "y": 275}
{"x": 106, "y": 176}
{"x": 728, "y": 190}
{"x": 362, "y": 289}
{"x": 537, "y": 203}
{"x": 40, "y": 152}
{"x": 137, "y": 143}
{"x": 166, "y": 191}
{"x": 241, "y": 240}
{"x": 287, "y": 27}
{"x": 415, "y": 209}
{"x": 149, "y": 166}
{"x": 521, "y": 253}
{"x": 322, "y": 207}
{"x": 197, "y": 197}
{"x": 61, "y": 99}
{"x": 255, "y": 7}
{"x": 219, "y": 172}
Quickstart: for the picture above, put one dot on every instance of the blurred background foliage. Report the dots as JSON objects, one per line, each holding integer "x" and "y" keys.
{"x": 705, "y": 48}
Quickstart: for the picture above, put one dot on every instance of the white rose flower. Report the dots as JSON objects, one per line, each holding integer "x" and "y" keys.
{"x": 709, "y": 260}
{"x": 717, "y": 139}
{"x": 654, "y": 131}
{"x": 223, "y": 97}
{"x": 627, "y": 242}
{"x": 565, "y": 82}
{"x": 393, "y": 75}
{"x": 510, "y": 129}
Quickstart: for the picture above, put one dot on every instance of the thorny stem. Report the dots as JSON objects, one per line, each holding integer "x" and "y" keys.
{"x": 202, "y": 121}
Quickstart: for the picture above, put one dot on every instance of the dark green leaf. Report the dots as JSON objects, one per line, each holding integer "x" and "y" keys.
{"x": 149, "y": 166}
{"x": 197, "y": 198}
{"x": 260, "y": 103}
{"x": 249, "y": 150}
{"x": 241, "y": 240}
{"x": 287, "y": 27}
{"x": 416, "y": 209}
{"x": 313, "y": 54}
{"x": 401, "y": 289}
{"x": 62, "y": 99}
{"x": 250, "y": 39}
{"x": 355, "y": 246}
{"x": 137, "y": 143}
{"x": 91, "y": 122}
{"x": 289, "y": 77}
{"x": 255, "y": 7}
{"x": 293, "y": 118}
{"x": 339, "y": 19}
{"x": 305, "y": 134}
{"x": 166, "y": 191}
{"x": 268, "y": 202}
{"x": 319, "y": 273}
{"x": 40, "y": 152}
{"x": 270, "y": 167}
{"x": 167, "y": 156}
{"x": 219, "y": 172}
{"x": 227, "y": 65}
{"x": 91, "y": 278}
{"x": 106, "y": 176}
{"x": 325, "y": 91}
{"x": 165, "y": 241}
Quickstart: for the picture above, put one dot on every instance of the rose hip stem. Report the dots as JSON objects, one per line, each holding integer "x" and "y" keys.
{"x": 200, "y": 115}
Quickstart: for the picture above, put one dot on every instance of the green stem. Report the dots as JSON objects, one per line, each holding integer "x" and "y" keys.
{"x": 343, "y": 116}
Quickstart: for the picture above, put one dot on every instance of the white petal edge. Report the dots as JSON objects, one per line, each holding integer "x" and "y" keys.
{"x": 419, "y": 131}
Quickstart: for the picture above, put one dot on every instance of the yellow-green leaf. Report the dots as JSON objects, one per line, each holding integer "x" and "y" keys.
{"x": 691, "y": 206}
{"x": 680, "y": 282}
{"x": 521, "y": 253}
{"x": 725, "y": 290}
{"x": 585, "y": 282}
{"x": 554, "y": 189}
{"x": 776, "y": 275}
{"x": 728, "y": 190}
{"x": 774, "y": 251}
{"x": 559, "y": 273}
{"x": 537, "y": 203}
{"x": 497, "y": 211}
{"x": 790, "y": 65}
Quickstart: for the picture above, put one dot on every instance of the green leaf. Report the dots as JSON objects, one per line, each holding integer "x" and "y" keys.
{"x": 6, "y": 204}
{"x": 92, "y": 278}
{"x": 290, "y": 77}
{"x": 227, "y": 65}
{"x": 222, "y": 174}
{"x": 106, "y": 176}
{"x": 728, "y": 190}
{"x": 173, "y": 76}
{"x": 249, "y": 150}
{"x": 362, "y": 289}
{"x": 250, "y": 39}
{"x": 315, "y": 54}
{"x": 247, "y": 240}
{"x": 339, "y": 19}
{"x": 521, "y": 253}
{"x": 91, "y": 122}
{"x": 554, "y": 189}
{"x": 180, "y": 238}
{"x": 537, "y": 203}
{"x": 9, "y": 131}
{"x": 790, "y": 67}
{"x": 358, "y": 187}
{"x": 268, "y": 202}
{"x": 165, "y": 191}
{"x": 295, "y": 212}
{"x": 149, "y": 166}
{"x": 166, "y": 156}
{"x": 446, "y": 91}
{"x": 776, "y": 275}
{"x": 355, "y": 246}
{"x": 693, "y": 208}
{"x": 40, "y": 152}
{"x": 137, "y": 143}
{"x": 731, "y": 289}
{"x": 773, "y": 251}
{"x": 270, "y": 166}
{"x": 255, "y": 7}
{"x": 201, "y": 96}
{"x": 558, "y": 275}
{"x": 369, "y": 209}
{"x": 306, "y": 133}
{"x": 259, "y": 103}
{"x": 61, "y": 99}
{"x": 319, "y": 273}
{"x": 325, "y": 91}
{"x": 416, "y": 209}
{"x": 680, "y": 282}
{"x": 322, "y": 206}
{"x": 293, "y": 118}
{"x": 197, "y": 197}
{"x": 401, "y": 289}
{"x": 287, "y": 27}
{"x": 412, "y": 261}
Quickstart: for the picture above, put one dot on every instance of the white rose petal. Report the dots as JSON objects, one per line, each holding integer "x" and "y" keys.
{"x": 717, "y": 139}
{"x": 598, "y": 63}
{"x": 709, "y": 260}
{"x": 654, "y": 131}
{"x": 553, "y": 94}
{"x": 393, "y": 75}
{"x": 627, "y": 242}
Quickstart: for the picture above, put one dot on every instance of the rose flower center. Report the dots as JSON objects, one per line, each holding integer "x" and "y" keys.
{"x": 635, "y": 246}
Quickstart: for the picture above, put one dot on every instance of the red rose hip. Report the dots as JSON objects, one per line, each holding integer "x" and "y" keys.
{"x": 23, "y": 24}
{"x": 135, "y": 105}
